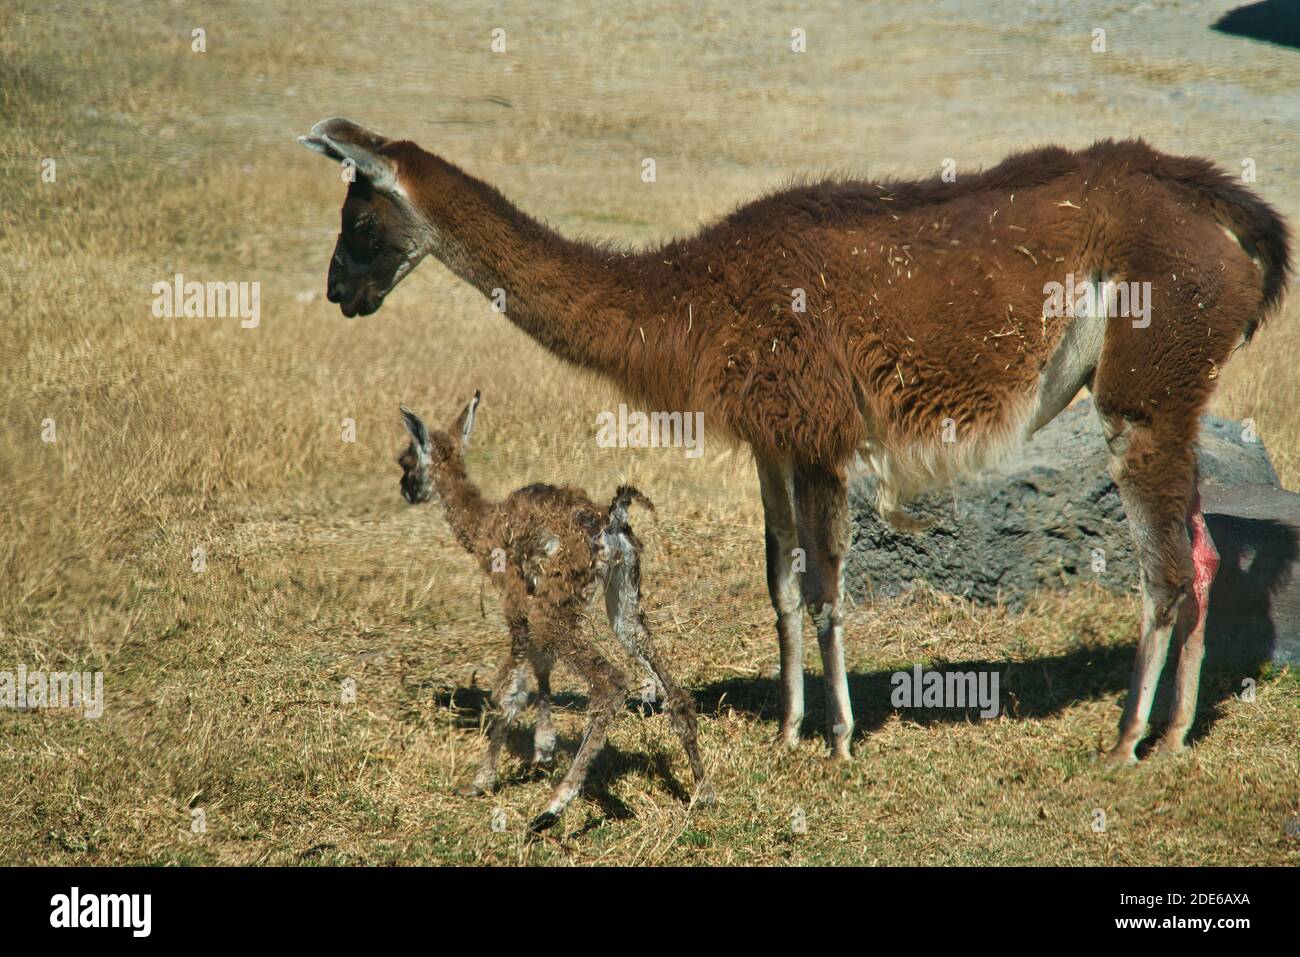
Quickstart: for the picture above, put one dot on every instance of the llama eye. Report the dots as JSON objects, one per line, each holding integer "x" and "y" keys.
{"x": 363, "y": 238}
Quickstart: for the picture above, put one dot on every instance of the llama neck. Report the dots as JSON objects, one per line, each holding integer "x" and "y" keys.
{"x": 584, "y": 304}
{"x": 463, "y": 504}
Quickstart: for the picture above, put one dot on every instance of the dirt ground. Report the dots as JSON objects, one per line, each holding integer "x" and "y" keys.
{"x": 225, "y": 737}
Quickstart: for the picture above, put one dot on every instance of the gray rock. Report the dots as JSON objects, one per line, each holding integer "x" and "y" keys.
{"x": 1049, "y": 516}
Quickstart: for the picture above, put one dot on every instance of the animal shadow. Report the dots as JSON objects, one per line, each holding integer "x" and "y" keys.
{"x": 1027, "y": 689}
{"x": 1256, "y": 561}
{"x": 1273, "y": 21}
{"x": 469, "y": 707}
{"x": 1033, "y": 689}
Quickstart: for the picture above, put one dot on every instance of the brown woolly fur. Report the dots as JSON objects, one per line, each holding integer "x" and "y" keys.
{"x": 924, "y": 299}
{"x": 548, "y": 550}
{"x": 898, "y": 325}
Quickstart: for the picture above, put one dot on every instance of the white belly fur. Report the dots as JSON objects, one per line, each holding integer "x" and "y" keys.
{"x": 905, "y": 472}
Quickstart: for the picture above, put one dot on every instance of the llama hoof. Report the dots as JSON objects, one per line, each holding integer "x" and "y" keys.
{"x": 470, "y": 791}
{"x": 539, "y": 770}
{"x": 1120, "y": 756}
{"x": 705, "y": 796}
{"x": 840, "y": 750}
{"x": 543, "y": 821}
{"x": 786, "y": 739}
{"x": 1170, "y": 745}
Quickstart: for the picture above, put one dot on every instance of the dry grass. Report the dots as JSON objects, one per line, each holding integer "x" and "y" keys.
{"x": 224, "y": 687}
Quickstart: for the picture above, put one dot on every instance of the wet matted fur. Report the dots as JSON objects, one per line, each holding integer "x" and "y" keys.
{"x": 549, "y": 551}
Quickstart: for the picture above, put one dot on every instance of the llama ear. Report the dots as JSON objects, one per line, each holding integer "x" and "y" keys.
{"x": 465, "y": 421}
{"x": 342, "y": 140}
{"x": 415, "y": 425}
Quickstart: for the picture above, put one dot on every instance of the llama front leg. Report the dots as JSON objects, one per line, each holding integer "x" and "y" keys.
{"x": 509, "y": 697}
{"x": 821, "y": 503}
{"x": 781, "y": 539}
{"x": 1191, "y": 650}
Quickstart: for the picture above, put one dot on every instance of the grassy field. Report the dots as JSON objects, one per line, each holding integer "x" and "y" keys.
{"x": 223, "y": 686}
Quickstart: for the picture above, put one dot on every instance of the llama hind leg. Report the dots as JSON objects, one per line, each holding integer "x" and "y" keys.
{"x": 1151, "y": 383}
{"x": 781, "y": 539}
{"x": 681, "y": 714}
{"x": 608, "y": 697}
{"x": 623, "y": 604}
{"x": 1155, "y": 474}
{"x": 544, "y": 731}
{"x": 821, "y": 501}
{"x": 1191, "y": 650}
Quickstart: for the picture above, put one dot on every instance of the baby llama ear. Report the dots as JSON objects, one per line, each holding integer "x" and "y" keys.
{"x": 342, "y": 140}
{"x": 465, "y": 421}
{"x": 415, "y": 425}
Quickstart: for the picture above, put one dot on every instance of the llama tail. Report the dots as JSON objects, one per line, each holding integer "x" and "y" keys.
{"x": 623, "y": 498}
{"x": 1259, "y": 228}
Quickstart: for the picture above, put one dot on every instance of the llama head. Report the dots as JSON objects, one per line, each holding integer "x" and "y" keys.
{"x": 383, "y": 237}
{"x": 434, "y": 457}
